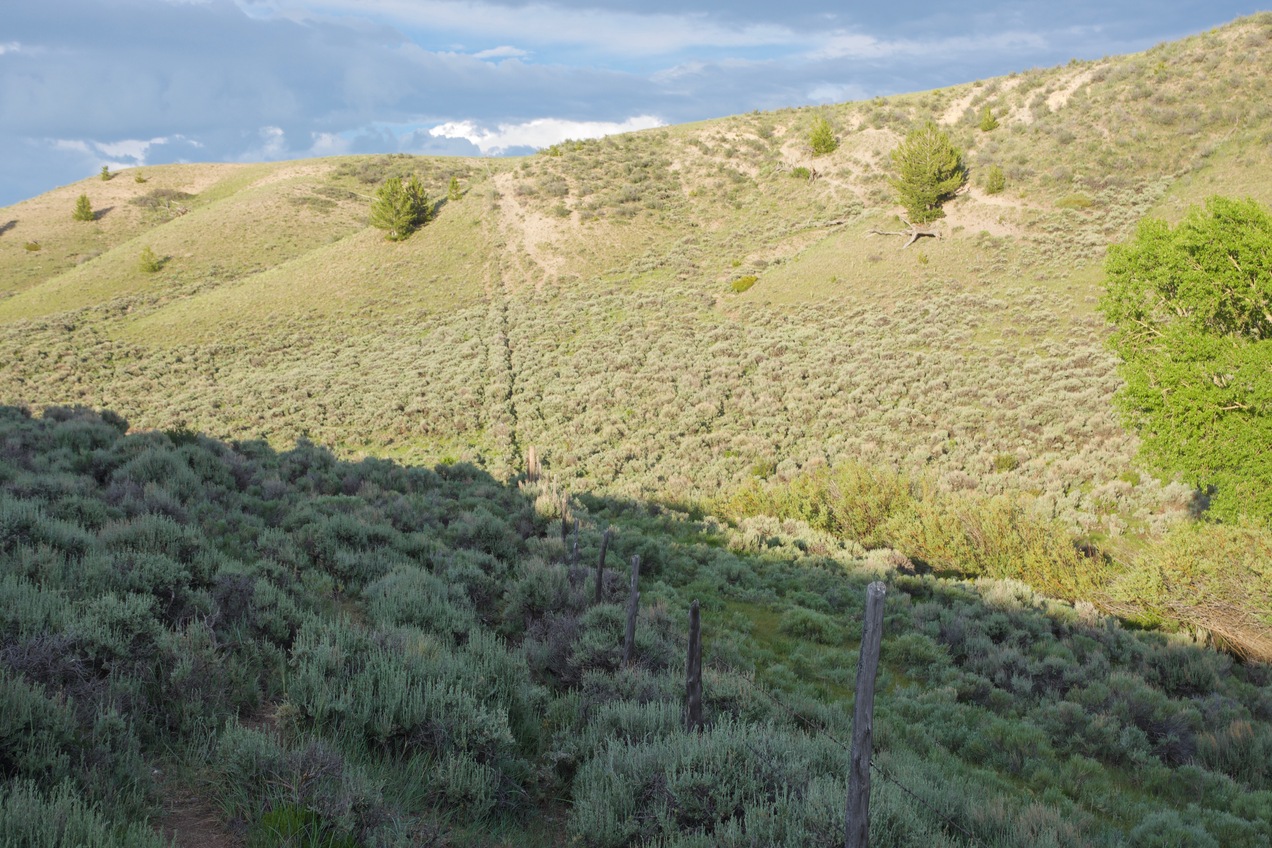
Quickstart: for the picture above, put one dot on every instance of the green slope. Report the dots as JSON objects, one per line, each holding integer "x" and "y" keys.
{"x": 581, "y": 300}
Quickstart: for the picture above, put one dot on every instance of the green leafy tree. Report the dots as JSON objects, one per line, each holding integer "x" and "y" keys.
{"x": 106, "y": 174}
{"x": 84, "y": 209}
{"x": 454, "y": 192}
{"x": 822, "y": 138}
{"x": 988, "y": 122}
{"x": 929, "y": 170}
{"x": 1192, "y": 308}
{"x": 400, "y": 207}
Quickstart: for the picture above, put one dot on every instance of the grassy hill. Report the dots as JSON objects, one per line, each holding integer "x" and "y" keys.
{"x": 343, "y": 653}
{"x": 487, "y": 331}
{"x": 682, "y": 322}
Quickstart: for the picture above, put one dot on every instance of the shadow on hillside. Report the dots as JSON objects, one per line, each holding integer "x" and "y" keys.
{"x": 102, "y": 213}
{"x": 678, "y": 543}
{"x": 8, "y": 225}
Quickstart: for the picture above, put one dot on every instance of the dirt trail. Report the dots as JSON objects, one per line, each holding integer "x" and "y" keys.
{"x": 190, "y": 821}
{"x": 531, "y": 237}
{"x": 956, "y": 109}
{"x": 1059, "y": 99}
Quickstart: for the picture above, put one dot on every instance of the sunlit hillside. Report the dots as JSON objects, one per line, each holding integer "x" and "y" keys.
{"x": 298, "y": 525}
{"x": 582, "y": 300}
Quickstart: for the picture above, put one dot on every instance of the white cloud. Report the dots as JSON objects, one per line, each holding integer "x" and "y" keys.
{"x": 613, "y": 33}
{"x": 273, "y": 145}
{"x": 851, "y": 45}
{"x": 10, "y": 47}
{"x": 541, "y": 132}
{"x": 502, "y": 52}
{"x": 836, "y": 93}
{"x": 329, "y": 144}
{"x": 72, "y": 145}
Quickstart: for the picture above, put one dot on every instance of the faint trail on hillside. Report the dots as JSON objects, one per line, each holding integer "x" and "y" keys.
{"x": 524, "y": 231}
{"x": 191, "y": 821}
{"x": 501, "y": 377}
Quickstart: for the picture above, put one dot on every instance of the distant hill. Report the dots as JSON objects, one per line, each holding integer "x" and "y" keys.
{"x": 581, "y": 300}
{"x": 279, "y": 564}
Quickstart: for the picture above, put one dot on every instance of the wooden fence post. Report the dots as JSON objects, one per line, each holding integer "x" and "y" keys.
{"x": 532, "y": 464}
{"x": 857, "y": 817}
{"x": 600, "y": 563}
{"x": 693, "y": 672}
{"x": 574, "y": 549}
{"x": 565, "y": 524}
{"x": 633, "y": 604}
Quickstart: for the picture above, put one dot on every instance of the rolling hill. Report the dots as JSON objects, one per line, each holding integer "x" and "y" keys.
{"x": 581, "y": 299}
{"x": 682, "y": 323}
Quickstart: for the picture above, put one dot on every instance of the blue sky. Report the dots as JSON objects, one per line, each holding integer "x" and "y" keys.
{"x": 86, "y": 83}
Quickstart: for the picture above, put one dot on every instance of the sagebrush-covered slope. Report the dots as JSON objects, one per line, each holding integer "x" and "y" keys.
{"x": 580, "y": 300}
{"x": 376, "y": 654}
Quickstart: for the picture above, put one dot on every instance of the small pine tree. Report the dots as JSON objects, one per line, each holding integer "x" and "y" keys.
{"x": 84, "y": 209}
{"x": 822, "y": 138}
{"x": 987, "y": 120}
{"x": 106, "y": 174}
{"x": 928, "y": 171}
{"x": 454, "y": 192}
{"x": 400, "y": 207}
{"x": 995, "y": 180}
{"x": 139, "y": 177}
{"x": 149, "y": 262}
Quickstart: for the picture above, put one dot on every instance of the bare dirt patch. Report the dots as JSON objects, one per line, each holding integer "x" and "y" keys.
{"x": 191, "y": 821}
{"x": 995, "y": 214}
{"x": 954, "y": 112}
{"x": 1060, "y": 98}
{"x": 534, "y": 233}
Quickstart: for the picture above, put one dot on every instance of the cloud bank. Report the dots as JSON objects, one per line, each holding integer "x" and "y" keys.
{"x": 86, "y": 83}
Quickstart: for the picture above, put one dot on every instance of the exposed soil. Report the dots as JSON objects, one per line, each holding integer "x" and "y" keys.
{"x": 190, "y": 821}
{"x": 1058, "y": 99}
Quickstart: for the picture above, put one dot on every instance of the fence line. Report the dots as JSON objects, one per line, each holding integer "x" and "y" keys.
{"x": 879, "y": 770}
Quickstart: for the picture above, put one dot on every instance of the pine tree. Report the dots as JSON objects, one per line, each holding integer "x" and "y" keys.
{"x": 995, "y": 180}
{"x": 987, "y": 120}
{"x": 454, "y": 192}
{"x": 822, "y": 138}
{"x": 400, "y": 207}
{"x": 149, "y": 262}
{"x": 84, "y": 209}
{"x": 929, "y": 170}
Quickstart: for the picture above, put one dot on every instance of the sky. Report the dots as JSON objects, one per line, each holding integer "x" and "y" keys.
{"x": 124, "y": 83}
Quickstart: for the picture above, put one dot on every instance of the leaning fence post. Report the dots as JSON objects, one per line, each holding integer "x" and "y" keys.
{"x": 565, "y": 523}
{"x": 857, "y": 817}
{"x": 600, "y": 563}
{"x": 633, "y": 604}
{"x": 693, "y": 672}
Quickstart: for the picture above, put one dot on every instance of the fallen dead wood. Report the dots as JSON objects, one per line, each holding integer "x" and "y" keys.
{"x": 912, "y": 235}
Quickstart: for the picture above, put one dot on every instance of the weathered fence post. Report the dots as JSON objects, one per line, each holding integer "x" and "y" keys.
{"x": 857, "y": 818}
{"x": 565, "y": 523}
{"x": 600, "y": 563}
{"x": 574, "y": 549}
{"x": 693, "y": 672}
{"x": 633, "y": 604}
{"x": 532, "y": 464}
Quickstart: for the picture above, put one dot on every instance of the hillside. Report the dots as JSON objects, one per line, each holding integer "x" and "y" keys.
{"x": 579, "y": 300}
{"x": 329, "y": 653}
{"x": 297, "y": 460}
